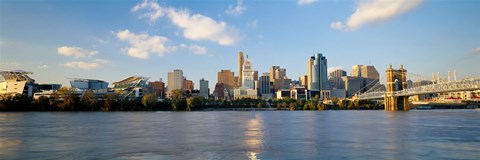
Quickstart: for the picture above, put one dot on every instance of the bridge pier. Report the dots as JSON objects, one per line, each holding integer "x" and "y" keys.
{"x": 396, "y": 81}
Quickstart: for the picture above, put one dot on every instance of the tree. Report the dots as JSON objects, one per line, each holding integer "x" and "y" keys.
{"x": 292, "y": 106}
{"x": 178, "y": 99}
{"x": 110, "y": 101}
{"x": 149, "y": 100}
{"x": 89, "y": 99}
{"x": 284, "y": 105}
{"x": 70, "y": 99}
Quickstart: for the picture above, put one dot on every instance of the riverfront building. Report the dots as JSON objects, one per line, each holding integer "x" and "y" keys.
{"x": 247, "y": 90}
{"x": 175, "y": 80}
{"x": 17, "y": 82}
{"x": 318, "y": 72}
{"x": 204, "y": 91}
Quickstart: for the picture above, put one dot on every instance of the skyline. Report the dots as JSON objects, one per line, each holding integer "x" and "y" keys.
{"x": 96, "y": 39}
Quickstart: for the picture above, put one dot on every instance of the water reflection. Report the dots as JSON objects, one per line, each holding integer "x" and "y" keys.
{"x": 254, "y": 136}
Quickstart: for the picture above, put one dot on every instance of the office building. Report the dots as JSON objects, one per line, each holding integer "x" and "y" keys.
{"x": 204, "y": 91}
{"x": 335, "y": 78}
{"x": 352, "y": 85}
{"x": 247, "y": 90}
{"x": 319, "y": 73}
{"x": 187, "y": 84}
{"x": 240, "y": 69}
{"x": 356, "y": 71}
{"x": 304, "y": 81}
{"x": 175, "y": 80}
{"x": 369, "y": 72}
{"x": 158, "y": 88}
{"x": 227, "y": 78}
{"x": 273, "y": 70}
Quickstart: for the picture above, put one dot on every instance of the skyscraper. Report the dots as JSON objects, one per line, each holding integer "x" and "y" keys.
{"x": 187, "y": 84}
{"x": 248, "y": 77}
{"x": 319, "y": 73}
{"x": 309, "y": 72}
{"x": 280, "y": 73}
{"x": 272, "y": 72}
{"x": 227, "y": 78}
{"x": 175, "y": 80}
{"x": 264, "y": 84}
{"x": 240, "y": 68}
{"x": 204, "y": 91}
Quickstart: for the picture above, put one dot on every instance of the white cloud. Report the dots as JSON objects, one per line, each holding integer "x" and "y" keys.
{"x": 142, "y": 45}
{"x": 75, "y": 51}
{"x": 43, "y": 66}
{"x": 196, "y": 49}
{"x": 476, "y": 51}
{"x": 82, "y": 65}
{"x": 194, "y": 26}
{"x": 374, "y": 11}
{"x": 331, "y": 69}
{"x": 305, "y": 2}
{"x": 237, "y": 10}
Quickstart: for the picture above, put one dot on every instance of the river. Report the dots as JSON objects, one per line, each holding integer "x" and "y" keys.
{"x": 430, "y": 134}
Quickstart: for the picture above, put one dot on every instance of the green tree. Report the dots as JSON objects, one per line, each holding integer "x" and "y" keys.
{"x": 284, "y": 105}
{"x": 149, "y": 100}
{"x": 110, "y": 100}
{"x": 178, "y": 99}
{"x": 292, "y": 106}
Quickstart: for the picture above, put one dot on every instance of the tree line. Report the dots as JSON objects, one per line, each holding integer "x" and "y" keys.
{"x": 66, "y": 100}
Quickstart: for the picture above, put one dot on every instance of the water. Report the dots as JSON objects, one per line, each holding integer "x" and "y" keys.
{"x": 433, "y": 134}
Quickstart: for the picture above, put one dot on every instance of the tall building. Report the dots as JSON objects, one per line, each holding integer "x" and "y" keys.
{"x": 204, "y": 91}
{"x": 175, "y": 80}
{"x": 248, "y": 75}
{"x": 319, "y": 73}
{"x": 356, "y": 71}
{"x": 309, "y": 72}
{"x": 187, "y": 84}
{"x": 248, "y": 83}
{"x": 158, "y": 88}
{"x": 272, "y": 72}
{"x": 240, "y": 68}
{"x": 280, "y": 73}
{"x": 369, "y": 72}
{"x": 255, "y": 75}
{"x": 221, "y": 92}
{"x": 336, "y": 78}
{"x": 227, "y": 78}
{"x": 264, "y": 84}
{"x": 352, "y": 85}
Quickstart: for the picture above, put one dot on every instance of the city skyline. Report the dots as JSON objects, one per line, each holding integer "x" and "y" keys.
{"x": 111, "y": 41}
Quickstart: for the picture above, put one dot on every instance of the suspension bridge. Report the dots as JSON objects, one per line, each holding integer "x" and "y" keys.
{"x": 398, "y": 89}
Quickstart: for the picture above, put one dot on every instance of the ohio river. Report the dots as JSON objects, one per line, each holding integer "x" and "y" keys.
{"x": 432, "y": 134}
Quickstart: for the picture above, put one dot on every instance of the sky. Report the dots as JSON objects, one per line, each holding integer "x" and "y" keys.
{"x": 112, "y": 40}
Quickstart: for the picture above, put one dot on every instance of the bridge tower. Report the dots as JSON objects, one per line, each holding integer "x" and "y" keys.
{"x": 396, "y": 81}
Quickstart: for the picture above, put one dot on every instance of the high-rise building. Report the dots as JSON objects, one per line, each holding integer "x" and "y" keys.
{"x": 272, "y": 72}
{"x": 309, "y": 72}
{"x": 255, "y": 75}
{"x": 356, "y": 71}
{"x": 248, "y": 77}
{"x": 280, "y": 73}
{"x": 247, "y": 90}
{"x": 158, "y": 88}
{"x": 240, "y": 68}
{"x": 264, "y": 84}
{"x": 319, "y": 73}
{"x": 369, "y": 72}
{"x": 175, "y": 80}
{"x": 227, "y": 78}
{"x": 204, "y": 91}
{"x": 187, "y": 84}
{"x": 336, "y": 79}
{"x": 352, "y": 84}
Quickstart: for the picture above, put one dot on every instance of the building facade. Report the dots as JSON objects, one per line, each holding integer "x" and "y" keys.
{"x": 227, "y": 78}
{"x": 335, "y": 77}
{"x": 158, "y": 88}
{"x": 204, "y": 90}
{"x": 175, "y": 80}
{"x": 240, "y": 68}
{"x": 319, "y": 73}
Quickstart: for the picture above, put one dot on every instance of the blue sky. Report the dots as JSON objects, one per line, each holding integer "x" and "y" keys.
{"x": 111, "y": 40}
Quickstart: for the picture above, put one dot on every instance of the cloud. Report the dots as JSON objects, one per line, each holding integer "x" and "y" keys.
{"x": 194, "y": 26}
{"x": 374, "y": 11}
{"x": 305, "y": 2}
{"x": 43, "y": 66}
{"x": 75, "y": 52}
{"x": 196, "y": 49}
{"x": 331, "y": 69}
{"x": 97, "y": 63}
{"x": 476, "y": 51}
{"x": 237, "y": 10}
{"x": 142, "y": 45}
{"x": 82, "y": 65}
